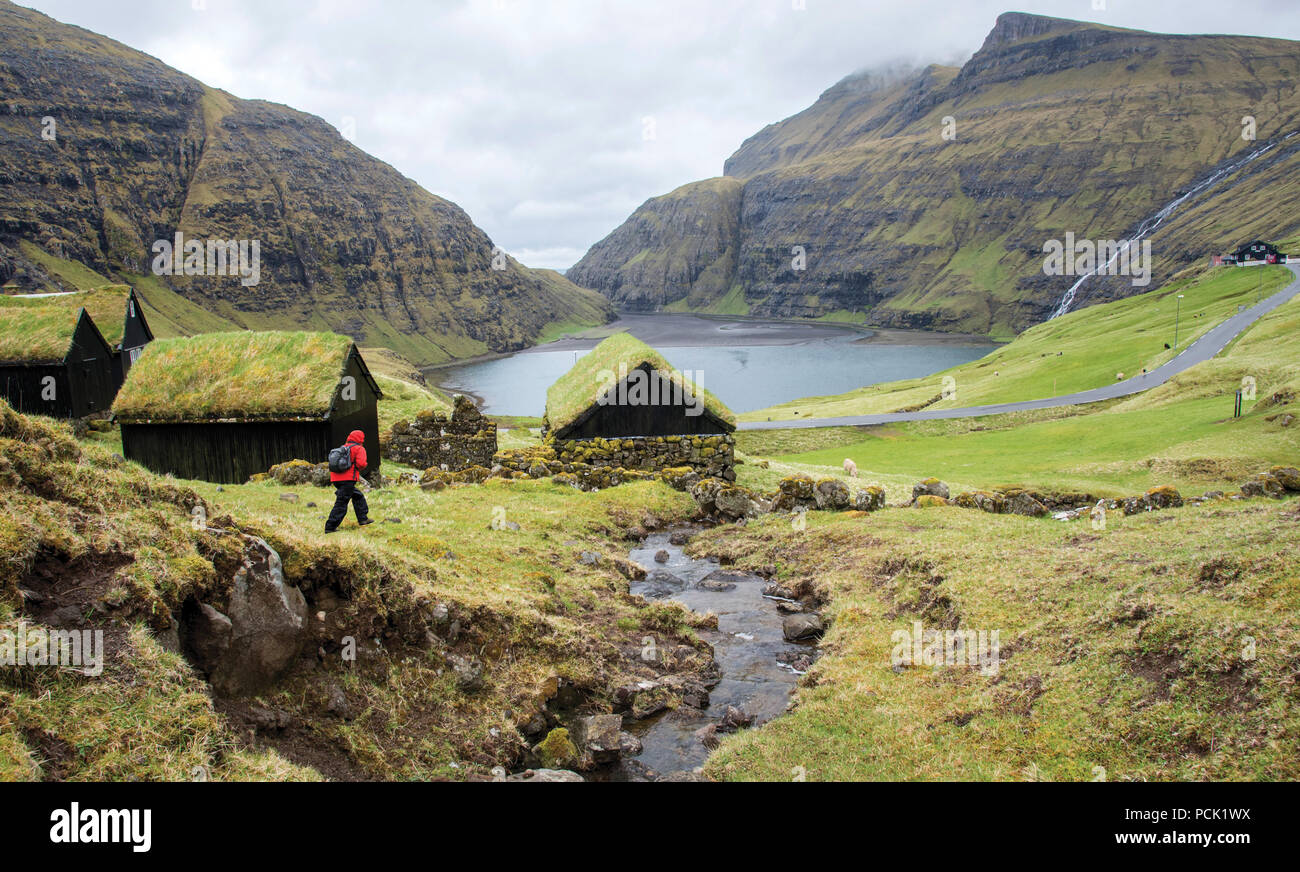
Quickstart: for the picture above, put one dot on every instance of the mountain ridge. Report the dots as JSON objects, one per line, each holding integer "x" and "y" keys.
{"x": 1057, "y": 126}
{"x": 348, "y": 243}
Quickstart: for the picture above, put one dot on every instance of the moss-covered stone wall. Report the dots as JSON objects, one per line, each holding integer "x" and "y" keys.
{"x": 710, "y": 455}
{"x": 437, "y": 441}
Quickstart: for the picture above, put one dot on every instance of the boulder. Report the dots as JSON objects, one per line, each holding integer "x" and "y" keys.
{"x": 206, "y": 632}
{"x": 869, "y": 499}
{"x": 993, "y": 502}
{"x": 536, "y": 776}
{"x": 296, "y": 472}
{"x": 930, "y": 486}
{"x": 926, "y": 501}
{"x": 599, "y": 736}
{"x": 1163, "y": 497}
{"x": 799, "y": 487}
{"x": 720, "y": 580}
{"x": 557, "y": 750}
{"x": 734, "y": 719}
{"x": 268, "y": 624}
{"x": 708, "y": 736}
{"x": 1023, "y": 503}
{"x": 1289, "y": 476}
{"x": 704, "y": 492}
{"x": 831, "y": 493}
{"x": 468, "y": 672}
{"x": 801, "y": 627}
{"x": 1265, "y": 484}
{"x": 734, "y": 502}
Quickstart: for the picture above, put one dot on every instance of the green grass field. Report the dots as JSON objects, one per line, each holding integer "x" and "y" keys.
{"x": 1161, "y": 648}
{"x": 1182, "y": 433}
{"x": 1082, "y": 349}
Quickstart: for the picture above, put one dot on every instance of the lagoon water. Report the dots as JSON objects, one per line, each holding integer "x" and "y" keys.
{"x": 747, "y": 364}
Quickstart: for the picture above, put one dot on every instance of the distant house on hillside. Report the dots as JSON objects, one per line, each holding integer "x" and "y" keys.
{"x": 54, "y": 361}
{"x": 623, "y": 404}
{"x": 224, "y": 406}
{"x": 117, "y": 313}
{"x": 1253, "y": 254}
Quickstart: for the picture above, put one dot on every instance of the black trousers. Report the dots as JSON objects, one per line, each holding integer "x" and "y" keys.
{"x": 345, "y": 491}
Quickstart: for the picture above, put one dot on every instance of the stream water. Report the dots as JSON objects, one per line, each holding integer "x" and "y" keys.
{"x": 749, "y": 649}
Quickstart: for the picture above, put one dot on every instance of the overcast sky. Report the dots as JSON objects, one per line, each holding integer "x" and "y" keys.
{"x": 549, "y": 121}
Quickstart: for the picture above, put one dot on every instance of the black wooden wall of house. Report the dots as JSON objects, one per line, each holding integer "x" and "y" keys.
{"x": 83, "y": 383}
{"x": 135, "y": 334}
{"x": 23, "y": 386}
{"x": 361, "y": 412}
{"x": 666, "y": 419}
{"x": 227, "y": 453}
{"x": 90, "y": 370}
{"x": 1256, "y": 251}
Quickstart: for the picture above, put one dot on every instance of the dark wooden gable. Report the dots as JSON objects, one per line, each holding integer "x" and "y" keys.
{"x": 355, "y": 406}
{"x": 90, "y": 368}
{"x": 135, "y": 333}
{"x": 665, "y": 413}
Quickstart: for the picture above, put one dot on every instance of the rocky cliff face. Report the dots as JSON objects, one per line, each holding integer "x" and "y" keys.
{"x": 134, "y": 151}
{"x": 923, "y": 198}
{"x": 678, "y": 247}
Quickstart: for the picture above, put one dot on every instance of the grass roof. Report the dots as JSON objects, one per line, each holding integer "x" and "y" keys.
{"x": 271, "y": 375}
{"x": 578, "y": 389}
{"x": 36, "y": 334}
{"x": 106, "y": 305}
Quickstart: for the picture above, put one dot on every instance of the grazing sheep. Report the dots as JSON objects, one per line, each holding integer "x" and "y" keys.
{"x": 850, "y": 468}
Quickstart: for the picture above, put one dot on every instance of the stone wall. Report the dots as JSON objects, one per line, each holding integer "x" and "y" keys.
{"x": 710, "y": 455}
{"x": 436, "y": 441}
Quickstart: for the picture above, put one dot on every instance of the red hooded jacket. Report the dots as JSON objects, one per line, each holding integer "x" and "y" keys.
{"x": 355, "y": 440}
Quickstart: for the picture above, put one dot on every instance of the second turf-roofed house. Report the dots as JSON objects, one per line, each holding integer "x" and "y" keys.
{"x": 224, "y": 406}
{"x": 54, "y": 361}
{"x": 117, "y": 313}
{"x": 624, "y": 405}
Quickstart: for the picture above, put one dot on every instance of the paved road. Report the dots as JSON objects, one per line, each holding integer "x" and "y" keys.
{"x": 1199, "y": 351}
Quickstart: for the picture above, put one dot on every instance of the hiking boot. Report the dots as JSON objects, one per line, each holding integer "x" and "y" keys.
{"x": 366, "y": 521}
{"x": 331, "y": 529}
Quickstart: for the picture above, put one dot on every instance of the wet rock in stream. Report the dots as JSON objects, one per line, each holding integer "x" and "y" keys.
{"x": 802, "y": 627}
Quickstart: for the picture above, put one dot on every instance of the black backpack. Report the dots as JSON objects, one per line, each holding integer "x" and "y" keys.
{"x": 341, "y": 458}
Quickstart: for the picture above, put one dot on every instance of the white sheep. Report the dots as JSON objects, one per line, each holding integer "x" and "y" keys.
{"x": 850, "y": 468}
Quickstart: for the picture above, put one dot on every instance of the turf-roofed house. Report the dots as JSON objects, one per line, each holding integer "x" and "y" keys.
{"x": 224, "y": 406}
{"x": 624, "y": 405}
{"x": 54, "y": 361}
{"x": 116, "y": 311}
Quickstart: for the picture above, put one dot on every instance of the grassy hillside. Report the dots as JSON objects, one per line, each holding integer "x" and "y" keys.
{"x": 1162, "y": 648}
{"x": 1181, "y": 433}
{"x": 1082, "y": 349}
{"x": 523, "y": 605}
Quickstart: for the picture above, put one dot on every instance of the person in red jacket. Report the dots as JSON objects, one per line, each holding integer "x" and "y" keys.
{"x": 345, "y": 486}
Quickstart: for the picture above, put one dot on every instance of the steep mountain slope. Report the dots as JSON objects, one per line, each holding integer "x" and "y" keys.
{"x": 140, "y": 151}
{"x": 1055, "y": 126}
